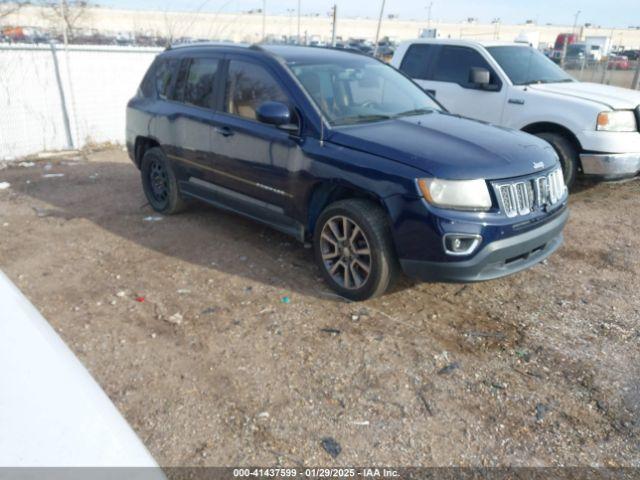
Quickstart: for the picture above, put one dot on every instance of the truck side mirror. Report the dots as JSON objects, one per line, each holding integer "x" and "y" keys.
{"x": 479, "y": 76}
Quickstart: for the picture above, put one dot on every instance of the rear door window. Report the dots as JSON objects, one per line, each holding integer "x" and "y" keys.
{"x": 417, "y": 60}
{"x": 200, "y": 83}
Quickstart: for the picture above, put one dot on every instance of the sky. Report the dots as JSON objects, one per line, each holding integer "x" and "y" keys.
{"x": 606, "y": 13}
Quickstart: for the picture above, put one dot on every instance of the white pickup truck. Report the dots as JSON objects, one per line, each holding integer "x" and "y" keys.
{"x": 595, "y": 129}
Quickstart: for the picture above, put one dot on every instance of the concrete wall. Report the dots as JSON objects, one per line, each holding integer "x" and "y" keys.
{"x": 248, "y": 27}
{"x": 95, "y": 83}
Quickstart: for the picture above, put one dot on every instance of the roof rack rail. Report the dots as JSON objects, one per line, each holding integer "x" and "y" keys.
{"x": 175, "y": 46}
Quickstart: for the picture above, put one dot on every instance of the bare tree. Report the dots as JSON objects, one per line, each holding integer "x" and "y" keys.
{"x": 66, "y": 13}
{"x": 178, "y": 26}
{"x": 171, "y": 27}
{"x": 9, "y": 7}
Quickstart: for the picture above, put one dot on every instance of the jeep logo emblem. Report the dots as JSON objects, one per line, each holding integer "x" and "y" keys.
{"x": 538, "y": 165}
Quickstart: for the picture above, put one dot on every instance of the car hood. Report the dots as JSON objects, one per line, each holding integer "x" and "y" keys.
{"x": 612, "y": 97}
{"x": 448, "y": 146}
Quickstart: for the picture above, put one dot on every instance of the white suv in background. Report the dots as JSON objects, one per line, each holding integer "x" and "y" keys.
{"x": 595, "y": 129}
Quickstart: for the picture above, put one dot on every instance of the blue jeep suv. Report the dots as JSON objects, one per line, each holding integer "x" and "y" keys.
{"x": 342, "y": 150}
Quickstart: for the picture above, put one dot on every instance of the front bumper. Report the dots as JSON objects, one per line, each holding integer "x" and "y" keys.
{"x": 611, "y": 166}
{"x": 497, "y": 259}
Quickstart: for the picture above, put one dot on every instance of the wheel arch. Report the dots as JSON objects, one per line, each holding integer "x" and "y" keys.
{"x": 326, "y": 192}
{"x": 551, "y": 127}
{"x": 141, "y": 145}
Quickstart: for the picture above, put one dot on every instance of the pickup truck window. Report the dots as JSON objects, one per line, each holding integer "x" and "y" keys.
{"x": 360, "y": 90}
{"x": 455, "y": 63}
{"x": 417, "y": 60}
{"x": 525, "y": 65}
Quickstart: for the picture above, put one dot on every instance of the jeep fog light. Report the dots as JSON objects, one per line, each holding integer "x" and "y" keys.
{"x": 461, "y": 243}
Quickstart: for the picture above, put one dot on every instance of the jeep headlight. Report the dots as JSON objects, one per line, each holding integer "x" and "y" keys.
{"x": 456, "y": 194}
{"x": 617, "y": 121}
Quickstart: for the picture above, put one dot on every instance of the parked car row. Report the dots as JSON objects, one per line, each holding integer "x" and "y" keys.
{"x": 577, "y": 58}
{"x": 38, "y": 36}
{"x": 632, "y": 55}
{"x": 618, "y": 62}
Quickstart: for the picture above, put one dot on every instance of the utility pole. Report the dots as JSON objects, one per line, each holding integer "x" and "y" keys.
{"x": 64, "y": 12}
{"x": 299, "y": 37}
{"x": 375, "y": 51}
{"x": 264, "y": 21}
{"x": 290, "y": 13}
{"x": 429, "y": 14}
{"x": 334, "y": 26}
{"x": 566, "y": 39}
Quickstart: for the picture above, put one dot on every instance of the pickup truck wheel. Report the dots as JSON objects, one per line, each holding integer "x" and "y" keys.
{"x": 568, "y": 155}
{"x": 354, "y": 250}
{"x": 159, "y": 183}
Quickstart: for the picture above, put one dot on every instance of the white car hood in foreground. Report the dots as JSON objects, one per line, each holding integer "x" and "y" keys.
{"x": 613, "y": 97}
{"x": 52, "y": 412}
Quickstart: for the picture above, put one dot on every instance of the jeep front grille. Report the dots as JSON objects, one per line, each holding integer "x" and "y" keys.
{"x": 524, "y": 196}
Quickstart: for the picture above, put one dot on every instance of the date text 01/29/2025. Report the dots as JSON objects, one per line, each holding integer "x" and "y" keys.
{"x": 316, "y": 472}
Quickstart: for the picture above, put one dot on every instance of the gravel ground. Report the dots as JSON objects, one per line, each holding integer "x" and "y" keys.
{"x": 219, "y": 343}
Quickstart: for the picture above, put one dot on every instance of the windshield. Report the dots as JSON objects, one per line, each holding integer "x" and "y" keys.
{"x": 526, "y": 65}
{"x": 575, "y": 49}
{"x": 357, "y": 89}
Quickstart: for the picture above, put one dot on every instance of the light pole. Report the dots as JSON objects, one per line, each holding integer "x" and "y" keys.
{"x": 299, "y": 38}
{"x": 334, "y": 25}
{"x": 264, "y": 20}
{"x": 429, "y": 14}
{"x": 375, "y": 51}
{"x": 575, "y": 21}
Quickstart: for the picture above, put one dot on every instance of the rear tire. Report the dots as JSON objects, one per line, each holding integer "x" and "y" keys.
{"x": 568, "y": 154}
{"x": 159, "y": 183}
{"x": 354, "y": 250}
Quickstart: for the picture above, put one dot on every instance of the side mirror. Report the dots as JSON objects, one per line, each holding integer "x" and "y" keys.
{"x": 274, "y": 113}
{"x": 479, "y": 76}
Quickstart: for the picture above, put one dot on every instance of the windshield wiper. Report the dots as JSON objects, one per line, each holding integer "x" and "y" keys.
{"x": 363, "y": 118}
{"x": 415, "y": 111}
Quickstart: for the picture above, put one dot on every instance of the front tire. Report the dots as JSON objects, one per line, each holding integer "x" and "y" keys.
{"x": 159, "y": 183}
{"x": 353, "y": 249}
{"x": 568, "y": 154}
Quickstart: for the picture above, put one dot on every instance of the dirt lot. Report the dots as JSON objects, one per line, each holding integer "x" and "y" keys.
{"x": 541, "y": 368}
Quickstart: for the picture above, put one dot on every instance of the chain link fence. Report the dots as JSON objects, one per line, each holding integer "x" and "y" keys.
{"x": 615, "y": 71}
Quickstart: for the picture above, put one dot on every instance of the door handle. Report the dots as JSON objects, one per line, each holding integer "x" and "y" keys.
{"x": 224, "y": 131}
